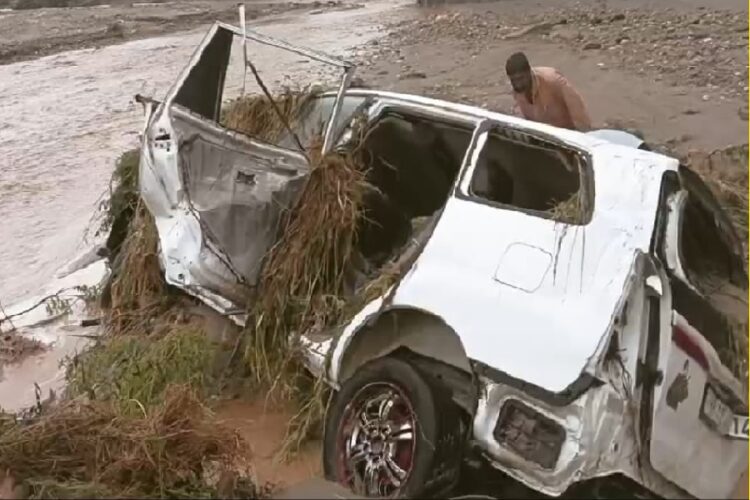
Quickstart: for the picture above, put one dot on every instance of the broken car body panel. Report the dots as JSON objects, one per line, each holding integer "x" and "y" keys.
{"x": 205, "y": 184}
{"x": 541, "y": 300}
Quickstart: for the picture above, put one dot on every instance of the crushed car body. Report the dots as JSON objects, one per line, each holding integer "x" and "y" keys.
{"x": 548, "y": 280}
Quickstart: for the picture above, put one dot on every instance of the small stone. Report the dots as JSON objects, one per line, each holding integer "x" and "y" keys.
{"x": 117, "y": 28}
{"x": 690, "y": 112}
{"x": 742, "y": 112}
{"x": 618, "y": 17}
{"x": 592, "y": 46}
{"x": 706, "y": 97}
{"x": 412, "y": 75}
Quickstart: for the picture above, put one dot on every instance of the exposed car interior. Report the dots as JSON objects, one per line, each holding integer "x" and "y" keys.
{"x": 412, "y": 164}
{"x": 525, "y": 173}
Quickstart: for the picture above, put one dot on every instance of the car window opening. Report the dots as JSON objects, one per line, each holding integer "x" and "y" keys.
{"x": 310, "y": 122}
{"x": 706, "y": 255}
{"x": 529, "y": 174}
{"x": 202, "y": 90}
{"x": 717, "y": 273}
{"x": 210, "y": 91}
{"x": 412, "y": 164}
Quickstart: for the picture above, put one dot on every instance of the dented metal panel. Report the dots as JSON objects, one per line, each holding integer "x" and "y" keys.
{"x": 217, "y": 195}
{"x": 681, "y": 441}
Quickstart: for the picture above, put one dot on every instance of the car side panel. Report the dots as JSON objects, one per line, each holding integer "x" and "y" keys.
{"x": 543, "y": 329}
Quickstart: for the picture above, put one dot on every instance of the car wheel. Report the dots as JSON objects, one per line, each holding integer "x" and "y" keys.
{"x": 390, "y": 433}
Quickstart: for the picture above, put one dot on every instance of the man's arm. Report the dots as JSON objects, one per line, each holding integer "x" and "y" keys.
{"x": 576, "y": 107}
{"x": 516, "y": 109}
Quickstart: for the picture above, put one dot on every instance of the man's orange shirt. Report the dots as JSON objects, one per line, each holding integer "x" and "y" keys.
{"x": 554, "y": 101}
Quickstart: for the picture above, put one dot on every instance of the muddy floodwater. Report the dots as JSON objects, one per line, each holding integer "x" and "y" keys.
{"x": 65, "y": 119}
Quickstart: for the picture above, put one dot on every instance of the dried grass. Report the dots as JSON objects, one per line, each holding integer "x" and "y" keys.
{"x": 569, "y": 210}
{"x": 83, "y": 448}
{"x": 138, "y": 291}
{"x": 725, "y": 172}
{"x": 255, "y": 116}
{"x": 303, "y": 281}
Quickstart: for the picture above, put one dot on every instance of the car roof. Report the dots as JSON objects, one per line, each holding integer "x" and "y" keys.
{"x": 569, "y": 136}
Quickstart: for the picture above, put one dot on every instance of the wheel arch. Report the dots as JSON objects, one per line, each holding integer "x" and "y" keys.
{"x": 433, "y": 345}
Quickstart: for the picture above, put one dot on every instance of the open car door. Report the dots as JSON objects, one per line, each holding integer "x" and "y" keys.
{"x": 217, "y": 195}
{"x": 698, "y": 434}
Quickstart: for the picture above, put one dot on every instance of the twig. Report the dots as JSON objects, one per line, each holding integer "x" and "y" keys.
{"x": 283, "y": 119}
{"x": 8, "y": 317}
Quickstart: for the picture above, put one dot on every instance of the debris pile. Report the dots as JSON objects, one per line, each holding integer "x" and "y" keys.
{"x": 306, "y": 281}
{"x": 90, "y": 449}
{"x": 303, "y": 274}
{"x": 14, "y": 347}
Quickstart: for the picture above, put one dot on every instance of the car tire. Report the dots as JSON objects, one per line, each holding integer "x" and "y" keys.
{"x": 390, "y": 431}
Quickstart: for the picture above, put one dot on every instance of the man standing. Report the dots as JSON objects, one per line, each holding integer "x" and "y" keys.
{"x": 544, "y": 95}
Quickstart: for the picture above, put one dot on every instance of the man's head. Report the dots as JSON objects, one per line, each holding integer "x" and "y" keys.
{"x": 519, "y": 71}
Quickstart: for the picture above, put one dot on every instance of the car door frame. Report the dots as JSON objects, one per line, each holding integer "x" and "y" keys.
{"x": 164, "y": 189}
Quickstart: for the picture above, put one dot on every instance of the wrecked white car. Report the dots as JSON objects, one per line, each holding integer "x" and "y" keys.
{"x": 561, "y": 345}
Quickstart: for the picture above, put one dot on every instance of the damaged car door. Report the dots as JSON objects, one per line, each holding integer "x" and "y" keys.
{"x": 698, "y": 435}
{"x": 216, "y": 194}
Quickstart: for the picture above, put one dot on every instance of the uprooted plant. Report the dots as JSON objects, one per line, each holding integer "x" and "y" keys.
{"x": 303, "y": 278}
{"x": 118, "y": 208}
{"x": 137, "y": 368}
